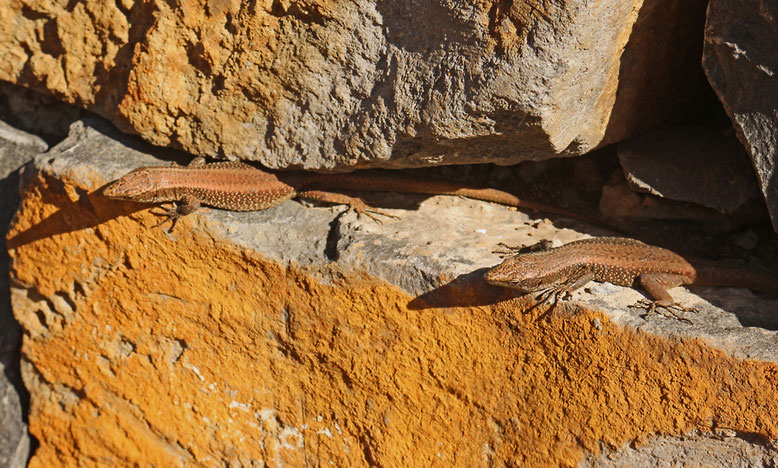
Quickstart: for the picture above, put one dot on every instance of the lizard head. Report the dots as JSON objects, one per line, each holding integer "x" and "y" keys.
{"x": 138, "y": 185}
{"x": 524, "y": 272}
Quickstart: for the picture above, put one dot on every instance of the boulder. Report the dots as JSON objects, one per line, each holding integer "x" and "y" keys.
{"x": 339, "y": 85}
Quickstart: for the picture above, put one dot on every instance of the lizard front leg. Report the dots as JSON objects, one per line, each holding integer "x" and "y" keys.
{"x": 354, "y": 203}
{"x": 187, "y": 205}
{"x": 575, "y": 280}
{"x": 656, "y": 285}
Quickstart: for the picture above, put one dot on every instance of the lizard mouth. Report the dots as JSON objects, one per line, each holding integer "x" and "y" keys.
{"x": 498, "y": 278}
{"x": 495, "y": 277}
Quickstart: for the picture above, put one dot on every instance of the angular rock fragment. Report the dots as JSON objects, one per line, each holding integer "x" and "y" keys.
{"x": 691, "y": 163}
{"x": 741, "y": 62}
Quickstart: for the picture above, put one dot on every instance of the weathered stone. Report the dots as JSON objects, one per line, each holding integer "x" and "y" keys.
{"x": 299, "y": 336}
{"x": 16, "y": 149}
{"x": 692, "y": 164}
{"x": 741, "y": 62}
{"x": 36, "y": 113}
{"x": 322, "y": 84}
{"x": 722, "y": 447}
{"x": 640, "y": 212}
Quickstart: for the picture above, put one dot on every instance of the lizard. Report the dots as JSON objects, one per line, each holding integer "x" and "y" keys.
{"x": 238, "y": 186}
{"x": 625, "y": 262}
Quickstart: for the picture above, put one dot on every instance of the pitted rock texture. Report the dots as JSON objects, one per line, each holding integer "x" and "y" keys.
{"x": 238, "y": 339}
{"x": 721, "y": 447}
{"x": 334, "y": 84}
{"x": 741, "y": 62}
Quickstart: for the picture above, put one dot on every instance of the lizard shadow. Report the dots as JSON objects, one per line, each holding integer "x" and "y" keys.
{"x": 466, "y": 290}
{"x": 88, "y": 210}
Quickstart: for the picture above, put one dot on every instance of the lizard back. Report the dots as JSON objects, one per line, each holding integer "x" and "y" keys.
{"x": 608, "y": 259}
{"x": 620, "y": 261}
{"x": 229, "y": 185}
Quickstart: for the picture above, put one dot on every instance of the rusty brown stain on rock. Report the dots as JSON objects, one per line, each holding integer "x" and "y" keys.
{"x": 143, "y": 348}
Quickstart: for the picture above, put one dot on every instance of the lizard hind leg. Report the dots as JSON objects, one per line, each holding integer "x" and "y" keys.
{"x": 656, "y": 285}
{"x": 354, "y": 203}
{"x": 671, "y": 310}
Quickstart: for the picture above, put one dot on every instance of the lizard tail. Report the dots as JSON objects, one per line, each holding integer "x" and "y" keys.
{"x": 372, "y": 181}
{"x": 740, "y": 276}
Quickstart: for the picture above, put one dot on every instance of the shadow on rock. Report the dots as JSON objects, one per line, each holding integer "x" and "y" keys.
{"x": 467, "y": 290}
{"x": 89, "y": 210}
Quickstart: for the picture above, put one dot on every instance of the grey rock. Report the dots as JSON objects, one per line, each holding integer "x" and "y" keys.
{"x": 722, "y": 448}
{"x": 16, "y": 149}
{"x": 741, "y": 62}
{"x": 692, "y": 164}
{"x": 39, "y": 114}
{"x": 14, "y": 440}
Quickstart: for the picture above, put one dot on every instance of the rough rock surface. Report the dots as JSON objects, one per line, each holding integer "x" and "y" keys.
{"x": 742, "y": 66}
{"x": 16, "y": 149}
{"x": 722, "y": 447}
{"x": 690, "y": 163}
{"x": 299, "y": 336}
{"x": 333, "y": 84}
{"x": 39, "y": 114}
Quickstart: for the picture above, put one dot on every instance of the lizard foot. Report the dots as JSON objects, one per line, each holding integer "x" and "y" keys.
{"x": 372, "y": 213}
{"x": 552, "y": 296}
{"x": 170, "y": 214}
{"x": 654, "y": 307}
{"x": 506, "y": 250}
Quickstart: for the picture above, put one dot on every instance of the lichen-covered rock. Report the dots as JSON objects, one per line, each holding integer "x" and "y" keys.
{"x": 336, "y": 84}
{"x": 741, "y": 62}
{"x": 295, "y": 336}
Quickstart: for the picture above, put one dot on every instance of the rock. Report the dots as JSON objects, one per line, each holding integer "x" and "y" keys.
{"x": 742, "y": 66}
{"x": 340, "y": 85}
{"x": 36, "y": 113}
{"x": 16, "y": 149}
{"x": 14, "y": 440}
{"x": 722, "y": 448}
{"x": 623, "y": 205}
{"x": 692, "y": 164}
{"x": 298, "y": 335}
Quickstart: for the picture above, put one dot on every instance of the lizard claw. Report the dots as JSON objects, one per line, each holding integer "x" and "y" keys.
{"x": 170, "y": 214}
{"x": 370, "y": 212}
{"x": 553, "y": 295}
{"x": 672, "y": 310}
{"x": 507, "y": 250}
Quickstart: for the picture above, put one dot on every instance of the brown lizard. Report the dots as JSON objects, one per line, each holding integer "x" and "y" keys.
{"x": 624, "y": 262}
{"x": 239, "y": 186}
